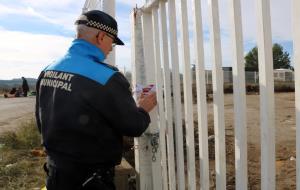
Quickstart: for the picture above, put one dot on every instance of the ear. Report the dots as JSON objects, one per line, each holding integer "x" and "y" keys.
{"x": 100, "y": 38}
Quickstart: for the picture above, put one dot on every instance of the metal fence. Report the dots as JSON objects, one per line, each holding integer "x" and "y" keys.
{"x": 160, "y": 162}
{"x": 250, "y": 77}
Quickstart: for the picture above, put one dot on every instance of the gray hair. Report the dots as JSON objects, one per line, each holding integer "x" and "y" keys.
{"x": 85, "y": 32}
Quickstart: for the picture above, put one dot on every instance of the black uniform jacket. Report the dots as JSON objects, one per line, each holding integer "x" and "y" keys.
{"x": 84, "y": 108}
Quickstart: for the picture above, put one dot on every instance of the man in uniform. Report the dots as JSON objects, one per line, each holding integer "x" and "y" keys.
{"x": 84, "y": 107}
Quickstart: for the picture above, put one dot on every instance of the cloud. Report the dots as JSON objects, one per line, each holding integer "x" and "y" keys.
{"x": 280, "y": 20}
{"x": 62, "y": 13}
{"x": 25, "y": 54}
{"x": 53, "y": 4}
{"x": 4, "y": 10}
{"x": 56, "y": 15}
{"x": 21, "y": 60}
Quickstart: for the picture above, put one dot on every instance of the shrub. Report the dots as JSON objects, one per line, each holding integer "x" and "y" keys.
{"x": 19, "y": 169}
{"x": 27, "y": 137}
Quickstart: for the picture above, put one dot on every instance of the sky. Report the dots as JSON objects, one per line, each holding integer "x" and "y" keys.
{"x": 35, "y": 33}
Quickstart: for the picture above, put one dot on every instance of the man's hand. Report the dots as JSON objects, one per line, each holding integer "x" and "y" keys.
{"x": 147, "y": 101}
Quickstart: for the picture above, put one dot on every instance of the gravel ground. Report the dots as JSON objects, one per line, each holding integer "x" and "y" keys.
{"x": 285, "y": 139}
{"x": 13, "y": 111}
{"x": 16, "y": 110}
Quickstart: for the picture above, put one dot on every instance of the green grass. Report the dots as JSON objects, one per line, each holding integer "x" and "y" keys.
{"x": 18, "y": 168}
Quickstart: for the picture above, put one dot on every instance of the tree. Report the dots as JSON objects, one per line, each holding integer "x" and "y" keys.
{"x": 281, "y": 59}
{"x": 252, "y": 60}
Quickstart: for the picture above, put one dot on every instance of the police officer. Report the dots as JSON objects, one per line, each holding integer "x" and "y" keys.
{"x": 84, "y": 107}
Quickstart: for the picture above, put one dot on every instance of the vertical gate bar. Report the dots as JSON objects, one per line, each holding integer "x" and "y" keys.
{"x": 296, "y": 44}
{"x": 138, "y": 60}
{"x": 148, "y": 47}
{"x": 218, "y": 95}
{"x": 201, "y": 97}
{"x": 161, "y": 115}
{"x": 167, "y": 93}
{"x": 266, "y": 87}
{"x": 188, "y": 98}
{"x": 176, "y": 95}
{"x": 142, "y": 154}
{"x": 240, "y": 120}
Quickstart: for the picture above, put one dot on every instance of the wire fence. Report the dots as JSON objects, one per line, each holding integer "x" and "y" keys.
{"x": 250, "y": 77}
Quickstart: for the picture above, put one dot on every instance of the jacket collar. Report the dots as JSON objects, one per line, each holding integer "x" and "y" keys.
{"x": 86, "y": 49}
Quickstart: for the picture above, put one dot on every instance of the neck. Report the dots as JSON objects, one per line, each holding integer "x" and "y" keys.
{"x": 92, "y": 41}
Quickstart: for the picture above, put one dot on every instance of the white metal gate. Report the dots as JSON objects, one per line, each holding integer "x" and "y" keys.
{"x": 155, "y": 60}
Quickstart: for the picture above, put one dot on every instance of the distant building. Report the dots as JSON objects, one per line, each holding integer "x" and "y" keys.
{"x": 283, "y": 75}
{"x": 227, "y": 68}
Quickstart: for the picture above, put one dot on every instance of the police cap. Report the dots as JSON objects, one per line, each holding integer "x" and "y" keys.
{"x": 102, "y": 21}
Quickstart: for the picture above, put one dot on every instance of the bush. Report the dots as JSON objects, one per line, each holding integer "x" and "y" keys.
{"x": 19, "y": 169}
{"x": 284, "y": 87}
{"x": 27, "y": 137}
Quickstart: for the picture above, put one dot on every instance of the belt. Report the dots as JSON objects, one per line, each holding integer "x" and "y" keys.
{"x": 62, "y": 164}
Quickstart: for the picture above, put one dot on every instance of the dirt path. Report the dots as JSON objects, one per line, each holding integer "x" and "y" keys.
{"x": 13, "y": 111}
{"x": 285, "y": 137}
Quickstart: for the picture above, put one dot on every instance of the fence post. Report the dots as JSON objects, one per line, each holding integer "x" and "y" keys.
{"x": 219, "y": 125}
{"x": 167, "y": 93}
{"x": 159, "y": 93}
{"x": 176, "y": 95}
{"x": 240, "y": 120}
{"x": 143, "y": 74}
{"x": 266, "y": 87}
{"x": 201, "y": 97}
{"x": 142, "y": 155}
{"x": 296, "y": 40}
{"x": 188, "y": 98}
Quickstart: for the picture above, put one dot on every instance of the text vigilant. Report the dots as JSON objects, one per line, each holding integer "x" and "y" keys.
{"x": 59, "y": 80}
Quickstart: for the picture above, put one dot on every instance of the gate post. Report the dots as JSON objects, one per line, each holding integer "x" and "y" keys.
{"x": 149, "y": 171}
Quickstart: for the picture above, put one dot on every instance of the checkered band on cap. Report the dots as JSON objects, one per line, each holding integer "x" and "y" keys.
{"x": 103, "y": 27}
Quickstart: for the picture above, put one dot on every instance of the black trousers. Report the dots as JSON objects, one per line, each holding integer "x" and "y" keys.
{"x": 79, "y": 178}
{"x": 25, "y": 93}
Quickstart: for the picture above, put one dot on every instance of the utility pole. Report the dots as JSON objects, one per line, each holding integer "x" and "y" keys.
{"x": 91, "y": 5}
{"x": 109, "y": 6}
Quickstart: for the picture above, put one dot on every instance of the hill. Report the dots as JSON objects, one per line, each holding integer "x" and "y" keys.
{"x": 8, "y": 84}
